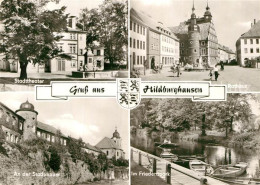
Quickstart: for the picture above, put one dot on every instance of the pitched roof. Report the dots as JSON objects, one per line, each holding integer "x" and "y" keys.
{"x": 253, "y": 32}
{"x": 107, "y": 143}
{"x": 152, "y": 23}
{"x": 48, "y": 128}
{"x": 182, "y": 29}
{"x": 20, "y": 117}
{"x": 90, "y": 147}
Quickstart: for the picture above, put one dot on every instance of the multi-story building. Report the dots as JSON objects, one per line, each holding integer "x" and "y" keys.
{"x": 73, "y": 43}
{"x": 160, "y": 45}
{"x": 138, "y": 41}
{"x": 248, "y": 45}
{"x": 198, "y": 40}
{"x": 169, "y": 46}
{"x": 11, "y": 124}
{"x": 23, "y": 125}
{"x": 112, "y": 147}
{"x": 225, "y": 54}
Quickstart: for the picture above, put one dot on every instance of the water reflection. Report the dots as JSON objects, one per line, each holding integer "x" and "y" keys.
{"x": 215, "y": 155}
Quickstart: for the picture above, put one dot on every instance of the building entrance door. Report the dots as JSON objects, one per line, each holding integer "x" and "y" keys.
{"x": 61, "y": 65}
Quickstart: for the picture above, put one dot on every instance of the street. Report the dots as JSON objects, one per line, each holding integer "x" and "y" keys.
{"x": 237, "y": 79}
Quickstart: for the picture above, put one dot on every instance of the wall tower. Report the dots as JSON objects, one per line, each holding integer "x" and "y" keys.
{"x": 30, "y": 115}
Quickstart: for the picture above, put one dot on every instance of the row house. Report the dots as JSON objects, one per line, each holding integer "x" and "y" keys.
{"x": 248, "y": 45}
{"x": 151, "y": 43}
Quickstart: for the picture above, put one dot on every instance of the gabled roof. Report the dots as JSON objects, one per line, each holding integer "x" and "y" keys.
{"x": 90, "y": 147}
{"x": 182, "y": 29}
{"x": 20, "y": 117}
{"x": 48, "y": 128}
{"x": 253, "y": 32}
{"x": 107, "y": 143}
{"x": 152, "y": 23}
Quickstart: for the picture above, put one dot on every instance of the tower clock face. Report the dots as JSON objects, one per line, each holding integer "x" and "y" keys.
{"x": 191, "y": 42}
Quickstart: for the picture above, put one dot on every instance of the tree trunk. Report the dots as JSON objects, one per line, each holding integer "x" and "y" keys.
{"x": 231, "y": 124}
{"x": 23, "y": 67}
{"x": 203, "y": 126}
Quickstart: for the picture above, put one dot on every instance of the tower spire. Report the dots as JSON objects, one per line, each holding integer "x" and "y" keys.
{"x": 207, "y": 8}
{"x": 193, "y": 8}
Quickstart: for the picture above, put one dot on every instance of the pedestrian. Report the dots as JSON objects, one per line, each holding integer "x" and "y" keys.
{"x": 178, "y": 70}
{"x": 210, "y": 74}
{"x": 216, "y": 72}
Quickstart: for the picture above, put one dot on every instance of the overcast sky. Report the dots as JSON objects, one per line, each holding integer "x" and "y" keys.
{"x": 75, "y": 6}
{"x": 230, "y": 17}
{"x": 92, "y": 119}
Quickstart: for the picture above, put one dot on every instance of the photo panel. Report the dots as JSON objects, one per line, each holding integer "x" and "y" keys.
{"x": 83, "y": 141}
{"x": 213, "y": 41}
{"x": 181, "y": 141}
{"x": 57, "y": 40}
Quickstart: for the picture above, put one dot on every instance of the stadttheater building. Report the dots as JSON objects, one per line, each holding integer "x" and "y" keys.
{"x": 198, "y": 40}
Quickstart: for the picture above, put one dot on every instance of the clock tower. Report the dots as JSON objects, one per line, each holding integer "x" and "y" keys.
{"x": 30, "y": 115}
{"x": 193, "y": 39}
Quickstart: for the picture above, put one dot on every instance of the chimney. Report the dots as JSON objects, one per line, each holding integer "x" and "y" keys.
{"x": 254, "y": 21}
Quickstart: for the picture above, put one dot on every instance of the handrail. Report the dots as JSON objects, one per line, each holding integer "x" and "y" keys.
{"x": 202, "y": 179}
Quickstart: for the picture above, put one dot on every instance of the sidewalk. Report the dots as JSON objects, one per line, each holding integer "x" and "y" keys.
{"x": 143, "y": 180}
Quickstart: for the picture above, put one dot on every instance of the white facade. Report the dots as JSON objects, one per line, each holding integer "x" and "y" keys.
{"x": 138, "y": 43}
{"x": 169, "y": 50}
{"x": 248, "y": 48}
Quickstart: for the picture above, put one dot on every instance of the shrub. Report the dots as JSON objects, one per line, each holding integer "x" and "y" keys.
{"x": 55, "y": 160}
{"x": 2, "y": 149}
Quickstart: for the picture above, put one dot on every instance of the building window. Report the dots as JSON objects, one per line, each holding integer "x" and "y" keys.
{"x": 245, "y": 50}
{"x": 195, "y": 51}
{"x": 65, "y": 142}
{"x": 137, "y": 44}
{"x": 143, "y": 31}
{"x": 117, "y": 153}
{"x": 134, "y": 43}
{"x": 182, "y": 44}
{"x": 257, "y": 50}
{"x": 80, "y": 63}
{"x": 61, "y": 48}
{"x": 141, "y": 60}
{"x": 72, "y": 48}
{"x": 138, "y": 28}
{"x": 72, "y": 36}
{"x": 137, "y": 60}
{"x": 245, "y": 41}
{"x": 53, "y": 139}
{"x": 130, "y": 25}
{"x": 144, "y": 59}
{"x": 107, "y": 152}
{"x": 134, "y": 27}
{"x": 257, "y": 41}
{"x": 73, "y": 63}
{"x": 98, "y": 52}
{"x": 251, "y": 50}
{"x": 90, "y": 60}
{"x": 130, "y": 42}
{"x": 140, "y": 44}
{"x": 144, "y": 45}
{"x": 1, "y": 112}
{"x": 251, "y": 41}
{"x": 20, "y": 126}
{"x": 81, "y": 51}
{"x": 7, "y": 117}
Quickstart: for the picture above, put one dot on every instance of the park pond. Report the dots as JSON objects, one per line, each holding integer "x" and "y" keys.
{"x": 215, "y": 154}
